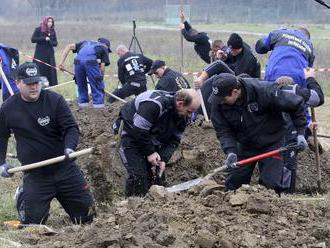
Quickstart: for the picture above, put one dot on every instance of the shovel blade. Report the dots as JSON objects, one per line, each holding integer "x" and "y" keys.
{"x": 185, "y": 185}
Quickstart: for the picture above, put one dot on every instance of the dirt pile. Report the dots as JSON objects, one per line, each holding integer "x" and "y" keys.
{"x": 204, "y": 216}
{"x": 197, "y": 155}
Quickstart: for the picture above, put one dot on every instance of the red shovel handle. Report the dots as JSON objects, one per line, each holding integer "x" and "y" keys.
{"x": 258, "y": 157}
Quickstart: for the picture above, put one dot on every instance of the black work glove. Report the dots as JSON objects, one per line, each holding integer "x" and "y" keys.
{"x": 67, "y": 152}
{"x": 4, "y": 170}
{"x": 231, "y": 160}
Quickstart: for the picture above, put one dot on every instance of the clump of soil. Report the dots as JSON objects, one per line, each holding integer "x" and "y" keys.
{"x": 205, "y": 216}
{"x": 197, "y": 155}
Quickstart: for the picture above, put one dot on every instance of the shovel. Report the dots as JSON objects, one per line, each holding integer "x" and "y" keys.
{"x": 194, "y": 182}
{"x": 49, "y": 161}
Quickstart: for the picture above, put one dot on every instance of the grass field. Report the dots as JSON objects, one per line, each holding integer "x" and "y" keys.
{"x": 157, "y": 43}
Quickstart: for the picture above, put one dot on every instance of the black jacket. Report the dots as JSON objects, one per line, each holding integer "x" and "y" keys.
{"x": 202, "y": 44}
{"x": 45, "y": 52}
{"x": 312, "y": 84}
{"x": 218, "y": 67}
{"x": 151, "y": 120}
{"x": 258, "y": 121}
{"x": 172, "y": 81}
{"x": 245, "y": 62}
{"x": 132, "y": 68}
{"x": 42, "y": 129}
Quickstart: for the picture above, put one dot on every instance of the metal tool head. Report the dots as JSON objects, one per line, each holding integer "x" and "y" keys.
{"x": 185, "y": 185}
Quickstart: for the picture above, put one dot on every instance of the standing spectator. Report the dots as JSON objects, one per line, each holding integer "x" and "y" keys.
{"x": 45, "y": 37}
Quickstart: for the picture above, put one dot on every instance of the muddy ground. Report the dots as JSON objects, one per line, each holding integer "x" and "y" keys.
{"x": 204, "y": 216}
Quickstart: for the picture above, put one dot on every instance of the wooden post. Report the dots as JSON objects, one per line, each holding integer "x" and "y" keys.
{"x": 317, "y": 152}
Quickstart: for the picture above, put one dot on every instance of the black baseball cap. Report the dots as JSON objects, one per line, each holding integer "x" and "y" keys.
{"x": 155, "y": 65}
{"x": 222, "y": 86}
{"x": 105, "y": 42}
{"x": 29, "y": 73}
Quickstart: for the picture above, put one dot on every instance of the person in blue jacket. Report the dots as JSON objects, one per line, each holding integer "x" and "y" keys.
{"x": 292, "y": 52}
{"x": 9, "y": 60}
{"x": 90, "y": 62}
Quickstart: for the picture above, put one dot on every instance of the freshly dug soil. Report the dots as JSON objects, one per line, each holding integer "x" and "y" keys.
{"x": 204, "y": 216}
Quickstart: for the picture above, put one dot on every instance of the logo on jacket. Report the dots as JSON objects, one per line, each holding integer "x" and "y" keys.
{"x": 44, "y": 121}
{"x": 253, "y": 107}
{"x": 215, "y": 90}
{"x": 32, "y": 71}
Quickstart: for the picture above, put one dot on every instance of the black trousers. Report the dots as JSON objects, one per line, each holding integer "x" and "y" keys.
{"x": 140, "y": 174}
{"x": 275, "y": 171}
{"x": 128, "y": 89}
{"x": 66, "y": 183}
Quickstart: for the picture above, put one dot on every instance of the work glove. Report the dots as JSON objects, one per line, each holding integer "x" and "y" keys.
{"x": 4, "y": 170}
{"x": 67, "y": 152}
{"x": 230, "y": 160}
{"x": 301, "y": 142}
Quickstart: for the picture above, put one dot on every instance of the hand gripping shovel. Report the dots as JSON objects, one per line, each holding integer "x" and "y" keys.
{"x": 194, "y": 182}
{"x": 50, "y": 161}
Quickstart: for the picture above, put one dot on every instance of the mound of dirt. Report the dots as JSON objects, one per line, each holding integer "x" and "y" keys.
{"x": 205, "y": 216}
{"x": 197, "y": 155}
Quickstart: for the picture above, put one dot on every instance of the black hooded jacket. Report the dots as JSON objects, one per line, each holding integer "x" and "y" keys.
{"x": 258, "y": 121}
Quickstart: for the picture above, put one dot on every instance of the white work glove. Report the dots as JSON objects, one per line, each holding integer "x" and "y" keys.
{"x": 4, "y": 170}
{"x": 67, "y": 152}
{"x": 301, "y": 142}
{"x": 230, "y": 160}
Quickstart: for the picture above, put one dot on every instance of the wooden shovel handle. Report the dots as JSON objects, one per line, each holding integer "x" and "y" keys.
{"x": 3, "y": 75}
{"x": 50, "y": 161}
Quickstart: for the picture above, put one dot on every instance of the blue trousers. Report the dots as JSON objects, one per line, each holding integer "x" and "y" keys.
{"x": 92, "y": 72}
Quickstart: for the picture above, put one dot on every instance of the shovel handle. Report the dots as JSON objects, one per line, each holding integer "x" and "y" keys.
{"x": 3, "y": 75}
{"x": 50, "y": 161}
{"x": 114, "y": 96}
{"x": 258, "y": 157}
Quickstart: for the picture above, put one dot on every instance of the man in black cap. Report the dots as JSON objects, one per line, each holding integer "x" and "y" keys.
{"x": 44, "y": 128}
{"x": 248, "y": 120}
{"x": 132, "y": 68}
{"x": 240, "y": 58}
{"x": 169, "y": 80}
{"x": 90, "y": 62}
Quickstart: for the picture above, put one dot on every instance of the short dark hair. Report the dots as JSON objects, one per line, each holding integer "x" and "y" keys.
{"x": 184, "y": 96}
{"x": 235, "y": 41}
